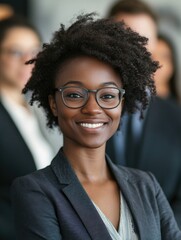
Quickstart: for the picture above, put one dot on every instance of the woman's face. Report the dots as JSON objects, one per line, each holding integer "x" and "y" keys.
{"x": 163, "y": 54}
{"x": 89, "y": 126}
{"x": 19, "y": 45}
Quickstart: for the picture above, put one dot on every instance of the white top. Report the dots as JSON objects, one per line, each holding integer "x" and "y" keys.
{"x": 27, "y": 125}
{"x": 125, "y": 230}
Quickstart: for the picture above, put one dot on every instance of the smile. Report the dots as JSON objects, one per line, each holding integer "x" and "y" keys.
{"x": 91, "y": 125}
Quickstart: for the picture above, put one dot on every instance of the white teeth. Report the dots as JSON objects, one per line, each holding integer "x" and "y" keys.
{"x": 91, "y": 125}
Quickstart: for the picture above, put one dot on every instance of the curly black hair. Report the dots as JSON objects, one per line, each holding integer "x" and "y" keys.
{"x": 108, "y": 41}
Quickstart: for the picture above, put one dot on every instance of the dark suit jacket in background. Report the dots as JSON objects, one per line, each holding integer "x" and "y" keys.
{"x": 51, "y": 204}
{"x": 159, "y": 150}
{"x": 15, "y": 160}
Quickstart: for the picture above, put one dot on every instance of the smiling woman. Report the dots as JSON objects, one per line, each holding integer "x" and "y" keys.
{"x": 84, "y": 79}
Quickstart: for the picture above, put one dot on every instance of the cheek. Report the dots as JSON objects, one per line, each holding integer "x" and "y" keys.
{"x": 116, "y": 115}
{"x": 118, "y": 119}
{"x": 168, "y": 68}
{"x": 66, "y": 123}
{"x": 24, "y": 71}
{"x": 64, "y": 116}
{"x": 164, "y": 73}
{"x": 8, "y": 69}
{"x": 119, "y": 113}
{"x": 62, "y": 122}
{"x": 7, "y": 63}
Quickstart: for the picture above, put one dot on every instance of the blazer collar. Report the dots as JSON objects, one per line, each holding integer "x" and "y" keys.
{"x": 79, "y": 198}
{"x": 85, "y": 208}
{"x": 129, "y": 189}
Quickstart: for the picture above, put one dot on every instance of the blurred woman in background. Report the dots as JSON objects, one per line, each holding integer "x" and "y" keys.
{"x": 166, "y": 76}
{"x": 22, "y": 144}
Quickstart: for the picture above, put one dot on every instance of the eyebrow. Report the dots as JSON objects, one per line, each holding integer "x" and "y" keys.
{"x": 80, "y": 83}
{"x": 73, "y": 82}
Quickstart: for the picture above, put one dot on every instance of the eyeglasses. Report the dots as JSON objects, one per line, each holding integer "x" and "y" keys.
{"x": 77, "y": 97}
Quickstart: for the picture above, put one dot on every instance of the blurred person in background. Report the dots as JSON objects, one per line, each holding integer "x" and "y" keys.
{"x": 166, "y": 76}
{"x": 139, "y": 16}
{"x": 5, "y": 11}
{"x": 22, "y": 144}
{"x": 154, "y": 142}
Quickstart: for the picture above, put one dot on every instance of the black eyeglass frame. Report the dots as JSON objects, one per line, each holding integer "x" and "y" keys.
{"x": 121, "y": 92}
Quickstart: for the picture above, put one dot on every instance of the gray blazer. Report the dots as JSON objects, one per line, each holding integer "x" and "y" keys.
{"x": 52, "y": 204}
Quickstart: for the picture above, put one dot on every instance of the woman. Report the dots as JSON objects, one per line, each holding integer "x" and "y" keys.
{"x": 82, "y": 79}
{"x": 23, "y": 148}
{"x": 166, "y": 76}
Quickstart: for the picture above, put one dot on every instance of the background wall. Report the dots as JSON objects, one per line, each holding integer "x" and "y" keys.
{"x": 48, "y": 14}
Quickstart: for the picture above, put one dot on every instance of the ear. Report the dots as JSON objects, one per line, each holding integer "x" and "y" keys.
{"x": 53, "y": 105}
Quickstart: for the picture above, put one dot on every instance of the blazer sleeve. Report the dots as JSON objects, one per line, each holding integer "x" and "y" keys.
{"x": 34, "y": 215}
{"x": 169, "y": 227}
{"x": 176, "y": 205}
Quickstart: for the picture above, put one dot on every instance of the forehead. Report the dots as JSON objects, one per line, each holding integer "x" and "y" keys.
{"x": 20, "y": 36}
{"x": 87, "y": 70}
{"x": 143, "y": 24}
{"x": 136, "y": 21}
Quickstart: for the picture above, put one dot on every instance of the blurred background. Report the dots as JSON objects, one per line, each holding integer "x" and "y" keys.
{"x": 47, "y": 15}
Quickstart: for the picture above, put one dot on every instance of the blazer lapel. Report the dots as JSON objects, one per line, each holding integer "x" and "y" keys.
{"x": 79, "y": 198}
{"x": 132, "y": 197}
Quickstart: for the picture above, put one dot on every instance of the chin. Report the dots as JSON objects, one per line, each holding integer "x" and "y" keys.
{"x": 94, "y": 145}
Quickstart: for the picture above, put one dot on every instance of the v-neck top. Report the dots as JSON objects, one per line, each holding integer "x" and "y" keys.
{"x": 126, "y": 227}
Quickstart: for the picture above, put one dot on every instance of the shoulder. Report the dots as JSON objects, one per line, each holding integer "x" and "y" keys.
{"x": 168, "y": 105}
{"x": 130, "y": 174}
{"x": 5, "y": 118}
{"x": 166, "y": 115}
{"x": 2, "y": 110}
{"x": 141, "y": 180}
{"x": 39, "y": 180}
{"x": 45, "y": 179}
{"x": 136, "y": 175}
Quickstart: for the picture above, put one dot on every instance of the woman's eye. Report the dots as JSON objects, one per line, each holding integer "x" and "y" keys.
{"x": 108, "y": 96}
{"x": 73, "y": 95}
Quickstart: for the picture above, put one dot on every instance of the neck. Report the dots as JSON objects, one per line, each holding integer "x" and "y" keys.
{"x": 89, "y": 164}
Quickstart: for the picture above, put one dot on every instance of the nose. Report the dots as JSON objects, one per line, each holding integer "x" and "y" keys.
{"x": 91, "y": 107}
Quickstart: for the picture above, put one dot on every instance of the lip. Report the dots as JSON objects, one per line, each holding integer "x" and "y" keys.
{"x": 92, "y": 121}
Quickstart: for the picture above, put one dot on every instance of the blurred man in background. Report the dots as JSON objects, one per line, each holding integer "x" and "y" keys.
{"x": 155, "y": 141}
